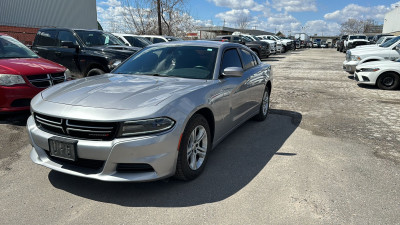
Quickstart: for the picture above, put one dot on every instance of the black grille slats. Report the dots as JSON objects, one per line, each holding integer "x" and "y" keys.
{"x": 77, "y": 129}
{"x": 46, "y": 80}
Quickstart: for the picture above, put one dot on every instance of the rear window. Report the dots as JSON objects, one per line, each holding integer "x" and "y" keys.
{"x": 248, "y": 60}
{"x": 46, "y": 38}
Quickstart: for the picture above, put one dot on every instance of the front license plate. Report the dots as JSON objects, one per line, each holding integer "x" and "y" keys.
{"x": 63, "y": 148}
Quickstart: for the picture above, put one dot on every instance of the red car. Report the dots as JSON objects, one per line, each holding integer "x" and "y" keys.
{"x": 23, "y": 74}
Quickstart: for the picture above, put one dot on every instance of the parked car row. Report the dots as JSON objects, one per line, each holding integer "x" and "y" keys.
{"x": 376, "y": 64}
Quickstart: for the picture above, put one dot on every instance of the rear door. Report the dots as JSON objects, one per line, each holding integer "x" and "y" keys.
{"x": 68, "y": 57}
{"x": 45, "y": 44}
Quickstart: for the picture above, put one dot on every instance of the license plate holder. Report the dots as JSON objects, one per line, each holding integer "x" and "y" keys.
{"x": 63, "y": 148}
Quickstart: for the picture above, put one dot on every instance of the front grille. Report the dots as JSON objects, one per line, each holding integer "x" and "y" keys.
{"x": 92, "y": 166}
{"x": 134, "y": 168}
{"x": 46, "y": 80}
{"x": 103, "y": 131}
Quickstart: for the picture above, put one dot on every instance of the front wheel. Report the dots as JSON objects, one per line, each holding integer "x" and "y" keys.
{"x": 388, "y": 81}
{"x": 94, "y": 72}
{"x": 194, "y": 146}
{"x": 264, "y": 107}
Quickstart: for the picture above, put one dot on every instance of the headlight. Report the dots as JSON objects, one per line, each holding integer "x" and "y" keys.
{"x": 113, "y": 63}
{"x": 139, "y": 127}
{"x": 355, "y": 58}
{"x": 369, "y": 69}
{"x": 9, "y": 80}
{"x": 68, "y": 75}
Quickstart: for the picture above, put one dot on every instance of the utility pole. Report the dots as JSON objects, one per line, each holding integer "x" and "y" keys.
{"x": 159, "y": 16}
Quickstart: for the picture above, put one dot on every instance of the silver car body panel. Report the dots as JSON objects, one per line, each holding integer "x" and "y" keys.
{"x": 119, "y": 98}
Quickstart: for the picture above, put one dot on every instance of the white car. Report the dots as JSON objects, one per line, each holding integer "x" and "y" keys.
{"x": 387, "y": 51}
{"x": 271, "y": 43}
{"x": 381, "y": 40}
{"x": 384, "y": 74}
{"x": 133, "y": 40}
{"x": 159, "y": 39}
{"x": 281, "y": 45}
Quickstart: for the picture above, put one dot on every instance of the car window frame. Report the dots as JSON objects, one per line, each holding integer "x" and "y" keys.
{"x": 72, "y": 33}
{"x": 251, "y": 53}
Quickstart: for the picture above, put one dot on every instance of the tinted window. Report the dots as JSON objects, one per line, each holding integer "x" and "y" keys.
{"x": 391, "y": 42}
{"x": 158, "y": 40}
{"x": 236, "y": 38}
{"x": 66, "y": 36}
{"x": 11, "y": 48}
{"x": 138, "y": 41}
{"x": 247, "y": 59}
{"x": 193, "y": 62}
{"x": 173, "y": 39}
{"x": 47, "y": 38}
{"x": 231, "y": 59}
{"x": 98, "y": 38}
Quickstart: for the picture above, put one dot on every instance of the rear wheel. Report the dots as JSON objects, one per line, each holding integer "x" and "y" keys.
{"x": 194, "y": 146}
{"x": 264, "y": 107}
{"x": 388, "y": 81}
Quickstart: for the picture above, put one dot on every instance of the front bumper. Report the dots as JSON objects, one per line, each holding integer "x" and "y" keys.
{"x": 350, "y": 66}
{"x": 17, "y": 98}
{"x": 158, "y": 151}
{"x": 366, "y": 77}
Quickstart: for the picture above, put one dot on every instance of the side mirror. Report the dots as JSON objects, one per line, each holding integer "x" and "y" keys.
{"x": 232, "y": 72}
{"x": 69, "y": 44}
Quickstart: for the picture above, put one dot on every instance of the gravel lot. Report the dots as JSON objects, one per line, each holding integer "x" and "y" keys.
{"x": 328, "y": 153}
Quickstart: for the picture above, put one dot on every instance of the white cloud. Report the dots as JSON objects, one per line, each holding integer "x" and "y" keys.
{"x": 321, "y": 27}
{"x": 354, "y": 11}
{"x": 294, "y": 5}
{"x": 111, "y": 3}
{"x": 231, "y": 17}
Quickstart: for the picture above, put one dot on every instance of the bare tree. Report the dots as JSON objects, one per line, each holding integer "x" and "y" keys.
{"x": 242, "y": 22}
{"x": 354, "y": 26}
{"x": 140, "y": 16}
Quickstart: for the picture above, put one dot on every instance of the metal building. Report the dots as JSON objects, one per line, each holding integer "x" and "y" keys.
{"x": 22, "y": 18}
{"x": 391, "y": 24}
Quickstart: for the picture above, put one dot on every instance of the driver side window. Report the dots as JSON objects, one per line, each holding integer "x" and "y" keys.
{"x": 230, "y": 59}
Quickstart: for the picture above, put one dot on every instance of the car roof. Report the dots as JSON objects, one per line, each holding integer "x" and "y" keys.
{"x": 210, "y": 44}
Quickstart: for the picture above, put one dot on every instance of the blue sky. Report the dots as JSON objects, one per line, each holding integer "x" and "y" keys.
{"x": 321, "y": 17}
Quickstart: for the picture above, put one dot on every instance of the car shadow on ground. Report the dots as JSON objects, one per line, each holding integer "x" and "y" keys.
{"x": 231, "y": 166}
{"x": 16, "y": 118}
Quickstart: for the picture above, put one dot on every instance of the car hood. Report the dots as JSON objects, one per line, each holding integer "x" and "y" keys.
{"x": 29, "y": 66}
{"x": 380, "y": 64}
{"x": 112, "y": 91}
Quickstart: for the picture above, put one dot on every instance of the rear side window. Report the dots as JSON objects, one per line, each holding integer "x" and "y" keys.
{"x": 231, "y": 59}
{"x": 247, "y": 59}
{"x": 158, "y": 40}
{"x": 46, "y": 38}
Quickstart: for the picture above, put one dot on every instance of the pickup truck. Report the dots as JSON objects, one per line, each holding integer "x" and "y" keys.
{"x": 83, "y": 52}
{"x": 262, "y": 49}
{"x": 353, "y": 41}
{"x": 389, "y": 50}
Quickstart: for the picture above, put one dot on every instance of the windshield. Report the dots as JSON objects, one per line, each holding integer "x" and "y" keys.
{"x": 173, "y": 39}
{"x": 358, "y": 37}
{"x": 98, "y": 38}
{"x": 247, "y": 39}
{"x": 138, "y": 41}
{"x": 390, "y": 43}
{"x": 193, "y": 62}
{"x": 11, "y": 48}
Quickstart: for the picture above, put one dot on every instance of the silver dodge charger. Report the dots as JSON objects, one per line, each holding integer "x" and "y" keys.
{"x": 156, "y": 115}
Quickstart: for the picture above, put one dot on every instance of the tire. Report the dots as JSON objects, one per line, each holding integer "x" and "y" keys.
{"x": 388, "y": 81}
{"x": 264, "y": 106}
{"x": 94, "y": 72}
{"x": 189, "y": 164}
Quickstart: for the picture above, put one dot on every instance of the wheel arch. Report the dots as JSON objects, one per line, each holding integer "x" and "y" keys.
{"x": 94, "y": 65}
